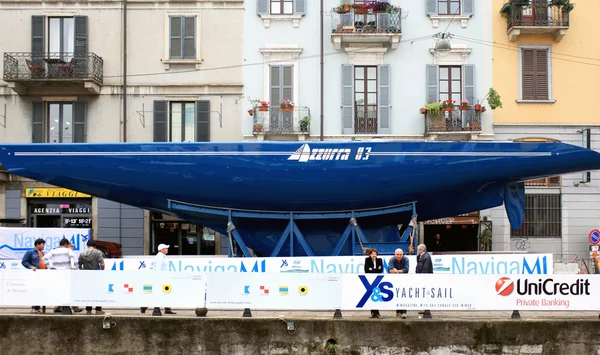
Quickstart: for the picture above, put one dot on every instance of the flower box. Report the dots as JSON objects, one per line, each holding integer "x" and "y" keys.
{"x": 465, "y": 108}
{"x": 263, "y": 108}
{"x": 287, "y": 109}
{"x": 447, "y": 108}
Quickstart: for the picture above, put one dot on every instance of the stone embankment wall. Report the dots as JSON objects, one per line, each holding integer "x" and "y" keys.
{"x": 80, "y": 334}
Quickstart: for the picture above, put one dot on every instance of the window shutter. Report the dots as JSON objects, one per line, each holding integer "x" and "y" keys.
{"x": 38, "y": 126}
{"x": 431, "y": 7}
{"x": 175, "y": 37}
{"x": 467, "y": 7}
{"x": 203, "y": 121}
{"x": 468, "y": 81}
{"x": 347, "y": 99}
{"x": 541, "y": 74}
{"x": 37, "y": 39}
{"x": 528, "y": 75}
{"x": 275, "y": 84}
{"x": 189, "y": 37}
{"x": 432, "y": 77}
{"x": 299, "y": 7}
{"x": 159, "y": 111}
{"x": 81, "y": 45}
{"x": 262, "y": 7}
{"x": 79, "y": 120}
{"x": 383, "y": 92}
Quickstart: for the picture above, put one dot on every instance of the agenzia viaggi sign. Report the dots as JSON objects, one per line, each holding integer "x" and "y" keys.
{"x": 15, "y": 242}
{"x": 470, "y": 292}
{"x": 487, "y": 264}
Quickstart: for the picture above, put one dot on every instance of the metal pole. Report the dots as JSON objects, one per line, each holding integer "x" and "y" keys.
{"x": 322, "y": 80}
{"x": 125, "y": 71}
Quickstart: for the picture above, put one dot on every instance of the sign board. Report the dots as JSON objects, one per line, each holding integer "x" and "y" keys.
{"x": 594, "y": 237}
{"x": 274, "y": 291}
{"x": 15, "y": 242}
{"x": 29, "y": 288}
{"x": 442, "y": 264}
{"x": 53, "y": 192}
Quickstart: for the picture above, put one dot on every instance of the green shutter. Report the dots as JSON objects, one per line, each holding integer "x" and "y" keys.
{"x": 159, "y": 111}
{"x": 38, "y": 40}
{"x": 38, "y": 123}
{"x": 203, "y": 121}
{"x": 79, "y": 122}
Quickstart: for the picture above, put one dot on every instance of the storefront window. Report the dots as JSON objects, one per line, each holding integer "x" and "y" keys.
{"x": 184, "y": 238}
{"x": 60, "y": 215}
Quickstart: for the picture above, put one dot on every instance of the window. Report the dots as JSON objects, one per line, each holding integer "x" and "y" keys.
{"x": 61, "y": 35}
{"x": 282, "y": 7}
{"x": 181, "y": 121}
{"x": 450, "y": 83}
{"x": 59, "y": 122}
{"x": 542, "y": 217}
{"x": 365, "y": 98}
{"x": 535, "y": 74}
{"x": 449, "y": 7}
{"x": 182, "y": 38}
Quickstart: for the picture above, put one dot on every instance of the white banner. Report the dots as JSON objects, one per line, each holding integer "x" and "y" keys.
{"x": 35, "y": 288}
{"x": 485, "y": 264}
{"x": 474, "y": 292}
{"x": 15, "y": 242}
{"x": 273, "y": 291}
{"x": 134, "y": 289}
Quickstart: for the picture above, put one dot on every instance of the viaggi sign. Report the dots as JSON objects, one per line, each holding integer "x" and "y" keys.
{"x": 484, "y": 264}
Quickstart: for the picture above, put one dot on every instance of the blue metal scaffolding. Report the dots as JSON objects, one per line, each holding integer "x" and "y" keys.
{"x": 293, "y": 232}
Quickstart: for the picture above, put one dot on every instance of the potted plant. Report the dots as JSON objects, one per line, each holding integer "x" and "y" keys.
{"x": 448, "y": 105}
{"x": 464, "y": 105}
{"x": 344, "y": 8}
{"x": 286, "y": 105}
{"x": 423, "y": 110}
{"x": 257, "y": 127}
{"x": 433, "y": 109}
{"x": 264, "y": 106}
{"x": 362, "y": 8}
{"x": 251, "y": 112}
{"x": 381, "y": 6}
{"x": 486, "y": 240}
{"x": 304, "y": 124}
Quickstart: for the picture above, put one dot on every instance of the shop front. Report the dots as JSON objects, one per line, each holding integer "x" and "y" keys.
{"x": 58, "y": 208}
{"x": 183, "y": 237}
{"x": 452, "y": 234}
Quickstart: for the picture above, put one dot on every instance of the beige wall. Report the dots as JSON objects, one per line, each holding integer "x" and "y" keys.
{"x": 219, "y": 45}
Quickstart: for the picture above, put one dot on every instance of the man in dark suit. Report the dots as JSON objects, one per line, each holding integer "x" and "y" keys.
{"x": 373, "y": 265}
{"x": 424, "y": 266}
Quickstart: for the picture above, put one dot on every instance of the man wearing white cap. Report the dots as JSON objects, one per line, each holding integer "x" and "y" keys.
{"x": 161, "y": 264}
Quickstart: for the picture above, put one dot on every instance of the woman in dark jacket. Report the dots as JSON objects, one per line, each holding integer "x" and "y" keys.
{"x": 373, "y": 265}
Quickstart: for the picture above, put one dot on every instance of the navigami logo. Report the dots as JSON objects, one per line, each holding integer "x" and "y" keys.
{"x": 377, "y": 291}
{"x": 505, "y": 286}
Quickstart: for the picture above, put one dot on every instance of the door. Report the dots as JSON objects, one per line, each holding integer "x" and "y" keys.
{"x": 365, "y": 98}
{"x": 48, "y": 221}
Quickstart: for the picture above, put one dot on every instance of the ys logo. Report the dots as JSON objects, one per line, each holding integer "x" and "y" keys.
{"x": 377, "y": 291}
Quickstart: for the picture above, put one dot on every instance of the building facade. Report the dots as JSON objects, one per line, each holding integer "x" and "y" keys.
{"x": 116, "y": 72}
{"x": 380, "y": 68}
{"x": 544, "y": 59}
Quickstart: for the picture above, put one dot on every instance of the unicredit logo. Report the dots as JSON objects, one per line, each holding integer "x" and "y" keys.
{"x": 505, "y": 286}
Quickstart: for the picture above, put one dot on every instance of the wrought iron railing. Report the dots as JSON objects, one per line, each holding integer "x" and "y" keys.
{"x": 365, "y": 122}
{"x": 551, "y": 14}
{"x": 371, "y": 22}
{"x": 281, "y": 120}
{"x": 455, "y": 120}
{"x": 25, "y": 66}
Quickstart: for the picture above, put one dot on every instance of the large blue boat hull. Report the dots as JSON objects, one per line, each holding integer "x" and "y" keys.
{"x": 444, "y": 179}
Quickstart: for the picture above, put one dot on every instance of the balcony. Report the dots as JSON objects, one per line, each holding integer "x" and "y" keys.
{"x": 65, "y": 72}
{"x": 281, "y": 121}
{"x": 537, "y": 18}
{"x": 454, "y": 123}
{"x": 371, "y": 27}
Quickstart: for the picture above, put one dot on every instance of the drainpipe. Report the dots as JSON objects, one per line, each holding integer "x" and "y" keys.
{"x": 124, "y": 70}
{"x": 322, "y": 80}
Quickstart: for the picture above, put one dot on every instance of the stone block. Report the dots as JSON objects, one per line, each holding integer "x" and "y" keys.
{"x": 511, "y": 349}
{"x": 532, "y": 349}
{"x": 442, "y": 350}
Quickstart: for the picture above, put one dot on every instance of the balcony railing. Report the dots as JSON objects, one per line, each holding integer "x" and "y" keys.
{"x": 371, "y": 22}
{"x": 277, "y": 120}
{"x": 537, "y": 18}
{"x": 28, "y": 67}
{"x": 455, "y": 121}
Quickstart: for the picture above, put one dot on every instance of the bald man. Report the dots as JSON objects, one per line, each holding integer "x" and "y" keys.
{"x": 398, "y": 264}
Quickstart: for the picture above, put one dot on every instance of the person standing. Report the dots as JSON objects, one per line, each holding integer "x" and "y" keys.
{"x": 373, "y": 265}
{"x": 424, "y": 266}
{"x": 91, "y": 259}
{"x": 398, "y": 264}
{"x": 33, "y": 260}
{"x": 161, "y": 264}
{"x": 61, "y": 258}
